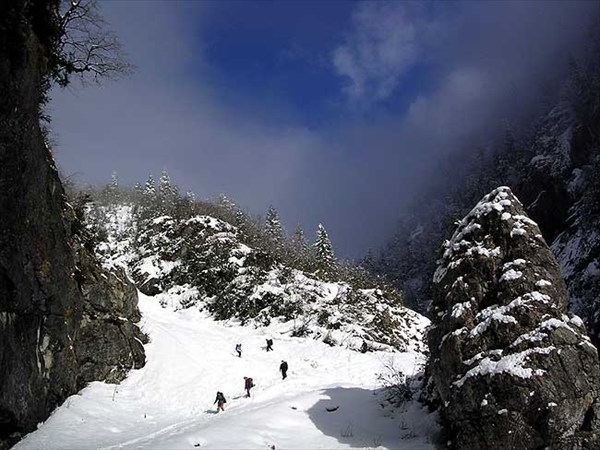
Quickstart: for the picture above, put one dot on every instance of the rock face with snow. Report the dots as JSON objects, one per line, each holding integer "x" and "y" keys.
{"x": 108, "y": 343}
{"x": 511, "y": 368}
{"x": 44, "y": 318}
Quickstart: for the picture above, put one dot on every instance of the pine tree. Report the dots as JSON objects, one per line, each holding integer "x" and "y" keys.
{"x": 148, "y": 204}
{"x": 224, "y": 202}
{"x": 185, "y": 207}
{"x": 138, "y": 192}
{"x": 228, "y": 209}
{"x": 150, "y": 187}
{"x": 300, "y": 250}
{"x": 168, "y": 194}
{"x": 113, "y": 188}
{"x": 325, "y": 258}
{"x": 274, "y": 232}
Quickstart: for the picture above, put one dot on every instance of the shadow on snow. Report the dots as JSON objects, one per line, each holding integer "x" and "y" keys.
{"x": 354, "y": 417}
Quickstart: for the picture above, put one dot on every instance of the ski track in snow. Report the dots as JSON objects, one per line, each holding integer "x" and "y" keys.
{"x": 168, "y": 403}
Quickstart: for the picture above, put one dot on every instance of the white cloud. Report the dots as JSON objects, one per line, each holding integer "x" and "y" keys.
{"x": 383, "y": 45}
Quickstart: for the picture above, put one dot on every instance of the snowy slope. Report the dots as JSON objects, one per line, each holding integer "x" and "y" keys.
{"x": 201, "y": 262}
{"x": 168, "y": 403}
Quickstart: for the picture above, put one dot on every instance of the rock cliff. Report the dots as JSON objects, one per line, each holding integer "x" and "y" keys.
{"x": 510, "y": 366}
{"x": 56, "y": 317}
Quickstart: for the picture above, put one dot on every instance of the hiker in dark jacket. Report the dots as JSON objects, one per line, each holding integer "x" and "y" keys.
{"x": 248, "y": 384}
{"x": 238, "y": 349}
{"x": 283, "y": 367}
{"x": 220, "y": 401}
{"x": 269, "y": 344}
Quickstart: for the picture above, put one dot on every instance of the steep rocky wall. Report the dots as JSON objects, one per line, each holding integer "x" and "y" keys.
{"x": 511, "y": 368}
{"x": 108, "y": 343}
{"x": 44, "y": 296}
{"x": 39, "y": 301}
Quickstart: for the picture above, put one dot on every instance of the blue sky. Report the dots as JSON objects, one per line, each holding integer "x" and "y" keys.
{"x": 334, "y": 112}
{"x": 281, "y": 53}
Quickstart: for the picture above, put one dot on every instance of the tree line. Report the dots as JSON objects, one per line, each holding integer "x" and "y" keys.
{"x": 153, "y": 199}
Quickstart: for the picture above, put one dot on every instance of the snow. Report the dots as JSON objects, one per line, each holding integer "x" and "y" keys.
{"x": 511, "y": 274}
{"x": 517, "y": 232}
{"x": 168, "y": 403}
{"x": 516, "y": 263}
{"x": 542, "y": 331}
{"x": 577, "y": 321}
{"x": 460, "y": 308}
{"x": 498, "y": 313}
{"x": 512, "y": 364}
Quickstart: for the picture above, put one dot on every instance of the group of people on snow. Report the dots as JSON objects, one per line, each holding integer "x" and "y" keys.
{"x": 248, "y": 382}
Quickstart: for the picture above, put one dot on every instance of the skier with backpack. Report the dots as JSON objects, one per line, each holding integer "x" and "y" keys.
{"x": 270, "y": 345}
{"x": 283, "y": 367}
{"x": 248, "y": 384}
{"x": 238, "y": 349}
{"x": 220, "y": 401}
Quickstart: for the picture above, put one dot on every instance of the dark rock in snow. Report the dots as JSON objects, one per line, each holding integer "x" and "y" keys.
{"x": 109, "y": 343}
{"x": 509, "y": 366}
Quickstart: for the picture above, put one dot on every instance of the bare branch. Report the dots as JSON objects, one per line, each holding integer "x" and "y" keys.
{"x": 87, "y": 48}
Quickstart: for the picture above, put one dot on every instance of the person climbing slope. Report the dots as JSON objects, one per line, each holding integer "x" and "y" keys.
{"x": 248, "y": 384}
{"x": 283, "y": 367}
{"x": 270, "y": 345}
{"x": 238, "y": 349}
{"x": 220, "y": 401}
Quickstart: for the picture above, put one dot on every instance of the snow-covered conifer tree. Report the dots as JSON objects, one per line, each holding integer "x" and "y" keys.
{"x": 148, "y": 202}
{"x": 301, "y": 251}
{"x": 113, "y": 187}
{"x": 150, "y": 187}
{"x": 168, "y": 194}
{"x": 325, "y": 258}
{"x": 274, "y": 231}
{"x": 138, "y": 192}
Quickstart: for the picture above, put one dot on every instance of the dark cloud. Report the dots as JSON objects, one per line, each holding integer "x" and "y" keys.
{"x": 485, "y": 61}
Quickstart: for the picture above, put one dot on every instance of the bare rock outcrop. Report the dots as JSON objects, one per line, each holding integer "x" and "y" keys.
{"x": 509, "y": 366}
{"x": 108, "y": 343}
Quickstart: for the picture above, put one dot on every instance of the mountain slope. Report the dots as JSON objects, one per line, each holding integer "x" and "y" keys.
{"x": 168, "y": 403}
{"x": 202, "y": 262}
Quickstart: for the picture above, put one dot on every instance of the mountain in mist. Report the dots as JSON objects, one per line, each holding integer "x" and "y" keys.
{"x": 551, "y": 162}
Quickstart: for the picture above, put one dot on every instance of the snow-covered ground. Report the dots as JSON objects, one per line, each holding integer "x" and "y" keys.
{"x": 169, "y": 403}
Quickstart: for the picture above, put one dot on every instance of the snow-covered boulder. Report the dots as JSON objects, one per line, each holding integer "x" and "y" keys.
{"x": 511, "y": 368}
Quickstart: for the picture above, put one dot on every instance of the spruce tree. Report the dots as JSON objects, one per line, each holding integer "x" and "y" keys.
{"x": 138, "y": 192}
{"x": 150, "y": 187}
{"x": 148, "y": 202}
{"x": 113, "y": 188}
{"x": 301, "y": 251}
{"x": 168, "y": 194}
{"x": 274, "y": 232}
{"x": 325, "y": 258}
{"x": 186, "y": 205}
